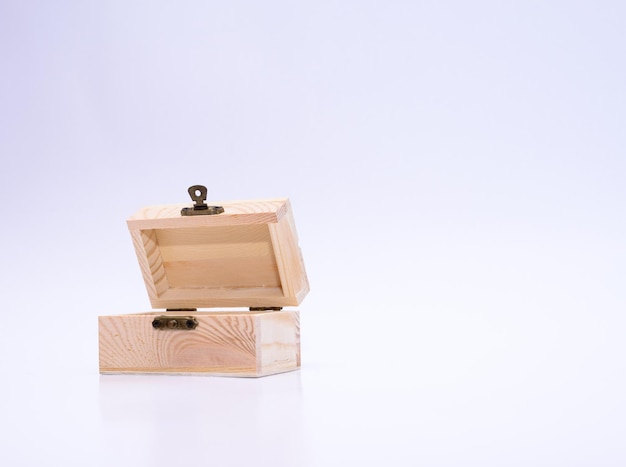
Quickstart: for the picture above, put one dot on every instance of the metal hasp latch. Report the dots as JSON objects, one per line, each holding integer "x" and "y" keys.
{"x": 200, "y": 208}
{"x": 183, "y": 323}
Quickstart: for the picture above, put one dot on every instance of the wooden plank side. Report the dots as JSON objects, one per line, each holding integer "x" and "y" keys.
{"x": 235, "y": 213}
{"x": 231, "y": 273}
{"x": 301, "y": 285}
{"x": 155, "y": 263}
{"x": 214, "y": 242}
{"x": 289, "y": 260}
{"x": 150, "y": 262}
{"x": 279, "y": 341}
{"x": 214, "y": 298}
{"x": 218, "y": 257}
{"x": 223, "y": 343}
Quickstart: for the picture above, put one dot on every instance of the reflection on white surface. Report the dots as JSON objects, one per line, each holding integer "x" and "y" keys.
{"x": 228, "y": 421}
{"x": 323, "y": 415}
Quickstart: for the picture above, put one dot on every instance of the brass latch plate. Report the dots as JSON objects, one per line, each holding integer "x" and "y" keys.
{"x": 182, "y": 323}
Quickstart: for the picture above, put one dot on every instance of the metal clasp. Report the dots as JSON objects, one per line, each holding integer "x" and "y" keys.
{"x": 200, "y": 208}
{"x": 184, "y": 323}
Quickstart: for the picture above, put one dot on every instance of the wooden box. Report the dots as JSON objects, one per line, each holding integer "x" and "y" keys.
{"x": 245, "y": 256}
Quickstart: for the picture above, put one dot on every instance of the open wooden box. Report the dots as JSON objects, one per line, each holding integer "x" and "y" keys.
{"x": 245, "y": 256}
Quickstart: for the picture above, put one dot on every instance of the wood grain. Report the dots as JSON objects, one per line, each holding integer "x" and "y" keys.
{"x": 289, "y": 257}
{"x": 167, "y": 216}
{"x": 280, "y": 342}
{"x": 249, "y": 258}
{"x": 218, "y": 256}
{"x": 224, "y": 343}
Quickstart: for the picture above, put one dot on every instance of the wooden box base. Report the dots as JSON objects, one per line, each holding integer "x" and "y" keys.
{"x": 223, "y": 344}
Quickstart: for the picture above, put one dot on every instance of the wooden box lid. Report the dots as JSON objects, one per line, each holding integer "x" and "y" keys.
{"x": 247, "y": 256}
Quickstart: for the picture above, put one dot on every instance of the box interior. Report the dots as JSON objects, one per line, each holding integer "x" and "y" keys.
{"x": 213, "y": 260}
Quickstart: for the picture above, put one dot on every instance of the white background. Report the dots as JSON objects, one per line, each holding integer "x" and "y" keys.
{"x": 457, "y": 175}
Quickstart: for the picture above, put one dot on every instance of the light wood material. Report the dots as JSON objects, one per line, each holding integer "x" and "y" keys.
{"x": 246, "y": 256}
{"x": 224, "y": 343}
{"x": 167, "y": 216}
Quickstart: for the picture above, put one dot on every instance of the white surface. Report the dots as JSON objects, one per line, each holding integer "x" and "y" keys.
{"x": 457, "y": 175}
